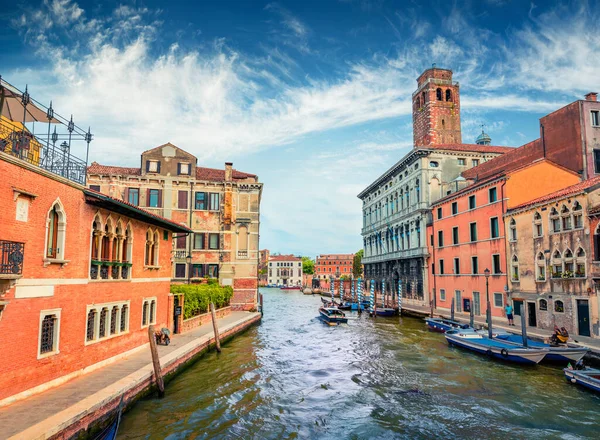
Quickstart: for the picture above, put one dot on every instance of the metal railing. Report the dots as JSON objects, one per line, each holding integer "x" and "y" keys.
{"x": 11, "y": 257}
{"x": 179, "y": 255}
{"x": 242, "y": 254}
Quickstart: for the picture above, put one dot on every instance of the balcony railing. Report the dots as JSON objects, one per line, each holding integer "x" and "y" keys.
{"x": 11, "y": 258}
{"x": 110, "y": 270}
{"x": 51, "y": 148}
{"x": 179, "y": 255}
{"x": 243, "y": 254}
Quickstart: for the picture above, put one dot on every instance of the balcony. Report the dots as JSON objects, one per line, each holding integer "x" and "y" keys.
{"x": 50, "y": 148}
{"x": 110, "y": 270}
{"x": 179, "y": 255}
{"x": 11, "y": 259}
{"x": 243, "y": 254}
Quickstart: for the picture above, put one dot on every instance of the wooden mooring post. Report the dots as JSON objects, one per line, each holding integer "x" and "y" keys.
{"x": 156, "y": 362}
{"x": 262, "y": 310}
{"x": 215, "y": 328}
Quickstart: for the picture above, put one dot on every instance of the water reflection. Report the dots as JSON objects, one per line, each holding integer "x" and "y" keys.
{"x": 293, "y": 377}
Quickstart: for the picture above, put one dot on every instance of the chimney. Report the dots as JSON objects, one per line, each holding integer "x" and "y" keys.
{"x": 592, "y": 96}
{"x": 228, "y": 171}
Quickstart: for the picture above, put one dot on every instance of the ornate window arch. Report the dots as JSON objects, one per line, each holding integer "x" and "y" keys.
{"x": 512, "y": 230}
{"x": 156, "y": 248}
{"x": 554, "y": 220}
{"x": 557, "y": 264}
{"x": 565, "y": 215}
{"x": 580, "y": 263}
{"x": 56, "y": 225}
{"x": 514, "y": 263}
{"x": 568, "y": 265}
{"x": 540, "y": 263}
{"x": 577, "y": 216}
{"x": 448, "y": 95}
{"x": 538, "y": 228}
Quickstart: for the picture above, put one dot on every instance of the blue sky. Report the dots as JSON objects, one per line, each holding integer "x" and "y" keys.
{"x": 313, "y": 96}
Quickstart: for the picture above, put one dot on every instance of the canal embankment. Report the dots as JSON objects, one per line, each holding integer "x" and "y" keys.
{"x": 592, "y": 358}
{"x": 81, "y": 406}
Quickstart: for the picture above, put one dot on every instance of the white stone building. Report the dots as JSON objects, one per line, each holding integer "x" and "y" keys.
{"x": 285, "y": 270}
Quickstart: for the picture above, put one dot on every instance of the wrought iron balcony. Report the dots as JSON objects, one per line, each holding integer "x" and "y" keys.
{"x": 179, "y": 255}
{"x": 243, "y": 254}
{"x": 11, "y": 259}
{"x": 51, "y": 148}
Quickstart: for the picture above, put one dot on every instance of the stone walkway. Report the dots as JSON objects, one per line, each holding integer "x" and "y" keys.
{"x": 534, "y": 332}
{"x": 38, "y": 414}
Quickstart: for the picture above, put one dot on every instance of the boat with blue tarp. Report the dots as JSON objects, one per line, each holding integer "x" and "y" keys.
{"x": 385, "y": 311}
{"x": 332, "y": 316}
{"x": 442, "y": 325}
{"x": 586, "y": 377}
{"x": 472, "y": 340}
{"x": 556, "y": 353}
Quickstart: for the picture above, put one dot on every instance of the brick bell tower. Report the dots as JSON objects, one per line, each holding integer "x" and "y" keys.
{"x": 436, "y": 109}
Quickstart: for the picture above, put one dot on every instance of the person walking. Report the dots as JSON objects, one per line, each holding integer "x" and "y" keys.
{"x": 509, "y": 314}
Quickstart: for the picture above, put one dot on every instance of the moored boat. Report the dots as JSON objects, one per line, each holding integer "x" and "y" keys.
{"x": 332, "y": 316}
{"x": 290, "y": 288}
{"x": 385, "y": 311}
{"x": 506, "y": 351}
{"x": 588, "y": 377}
{"x": 442, "y": 325}
{"x": 556, "y": 353}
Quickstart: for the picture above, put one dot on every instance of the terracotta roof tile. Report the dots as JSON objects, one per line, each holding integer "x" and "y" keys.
{"x": 507, "y": 162}
{"x": 216, "y": 175}
{"x": 285, "y": 258}
{"x": 469, "y": 147}
{"x": 96, "y": 168}
{"x": 569, "y": 190}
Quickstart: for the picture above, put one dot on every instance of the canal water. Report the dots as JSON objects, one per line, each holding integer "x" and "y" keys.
{"x": 293, "y": 377}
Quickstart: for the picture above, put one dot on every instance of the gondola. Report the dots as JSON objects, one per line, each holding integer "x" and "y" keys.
{"x": 110, "y": 432}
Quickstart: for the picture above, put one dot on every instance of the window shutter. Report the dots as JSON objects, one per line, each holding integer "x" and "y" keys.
{"x": 183, "y": 200}
{"x": 179, "y": 169}
{"x": 147, "y": 166}
{"x": 148, "y": 197}
{"x": 158, "y": 167}
{"x": 160, "y": 197}
{"x": 126, "y": 198}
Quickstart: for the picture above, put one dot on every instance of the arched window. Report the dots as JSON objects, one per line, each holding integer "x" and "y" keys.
{"x": 91, "y": 325}
{"x": 538, "y": 230}
{"x": 418, "y": 103}
{"x": 56, "y": 223}
{"x": 145, "y": 313}
{"x": 438, "y": 94}
{"x": 515, "y": 268}
{"x": 580, "y": 263}
{"x": 566, "y": 218}
{"x": 105, "y": 251}
{"x": 402, "y": 237}
{"x": 156, "y": 260}
{"x": 568, "y": 264}
{"x": 554, "y": 220}
{"x": 418, "y": 233}
{"x": 543, "y": 305}
{"x": 513, "y": 230}
{"x": 448, "y": 95}
{"x": 402, "y": 198}
{"x": 418, "y": 191}
{"x": 407, "y": 196}
{"x": 113, "y": 319}
{"x": 557, "y": 264}
{"x": 577, "y": 216}
{"x": 149, "y": 254}
{"x": 152, "y": 312}
{"x": 124, "y": 316}
{"x": 433, "y": 164}
{"x": 541, "y": 267}
{"x": 102, "y": 327}
{"x": 559, "y": 306}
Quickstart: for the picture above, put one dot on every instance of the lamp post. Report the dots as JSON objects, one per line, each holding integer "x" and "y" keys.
{"x": 488, "y": 313}
{"x": 188, "y": 260}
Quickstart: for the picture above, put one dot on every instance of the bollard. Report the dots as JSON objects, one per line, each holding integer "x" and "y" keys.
{"x": 215, "y": 328}
{"x": 156, "y": 362}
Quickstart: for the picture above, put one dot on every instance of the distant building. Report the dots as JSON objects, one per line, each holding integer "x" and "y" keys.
{"x": 222, "y": 207}
{"x": 396, "y": 206}
{"x": 333, "y": 265}
{"x": 263, "y": 260}
{"x": 285, "y": 270}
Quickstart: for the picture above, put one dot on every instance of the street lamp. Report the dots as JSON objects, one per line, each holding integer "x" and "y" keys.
{"x": 488, "y": 313}
{"x": 188, "y": 260}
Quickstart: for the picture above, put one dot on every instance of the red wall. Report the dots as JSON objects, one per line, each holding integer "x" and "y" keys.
{"x": 20, "y": 321}
{"x": 484, "y": 248}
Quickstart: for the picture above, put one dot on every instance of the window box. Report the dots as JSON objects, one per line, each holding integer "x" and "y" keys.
{"x": 579, "y": 274}
{"x": 556, "y": 274}
{"x": 567, "y": 274}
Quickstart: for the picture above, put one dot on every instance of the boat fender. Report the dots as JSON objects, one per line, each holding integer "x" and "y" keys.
{"x": 489, "y": 352}
{"x": 573, "y": 380}
{"x": 504, "y": 352}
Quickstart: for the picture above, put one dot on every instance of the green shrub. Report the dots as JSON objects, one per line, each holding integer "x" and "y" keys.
{"x": 199, "y": 296}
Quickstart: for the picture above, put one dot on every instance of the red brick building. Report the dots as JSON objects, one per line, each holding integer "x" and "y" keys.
{"x": 82, "y": 276}
{"x": 333, "y": 265}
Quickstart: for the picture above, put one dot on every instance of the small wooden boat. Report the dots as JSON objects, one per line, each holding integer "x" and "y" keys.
{"x": 588, "y": 377}
{"x": 332, "y": 316}
{"x": 442, "y": 325}
{"x": 385, "y": 311}
{"x": 472, "y": 340}
{"x": 556, "y": 353}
